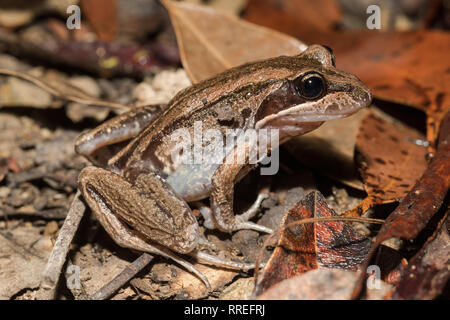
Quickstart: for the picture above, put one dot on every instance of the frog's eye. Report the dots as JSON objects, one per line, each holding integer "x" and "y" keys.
{"x": 310, "y": 86}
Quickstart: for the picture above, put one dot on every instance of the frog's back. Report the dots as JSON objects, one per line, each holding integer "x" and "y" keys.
{"x": 206, "y": 101}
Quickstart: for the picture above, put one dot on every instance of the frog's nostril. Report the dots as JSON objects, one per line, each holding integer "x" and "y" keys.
{"x": 333, "y": 108}
{"x": 363, "y": 96}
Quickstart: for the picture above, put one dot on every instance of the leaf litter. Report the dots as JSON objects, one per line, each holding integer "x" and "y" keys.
{"x": 159, "y": 283}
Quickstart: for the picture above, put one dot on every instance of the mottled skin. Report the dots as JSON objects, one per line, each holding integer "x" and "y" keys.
{"x": 140, "y": 195}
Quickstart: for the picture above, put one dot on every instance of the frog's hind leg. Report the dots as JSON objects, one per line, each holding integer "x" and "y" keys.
{"x": 128, "y": 239}
{"x": 149, "y": 209}
{"x": 99, "y": 188}
{"x": 118, "y": 129}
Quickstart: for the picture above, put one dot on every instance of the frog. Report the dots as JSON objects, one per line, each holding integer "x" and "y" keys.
{"x": 141, "y": 194}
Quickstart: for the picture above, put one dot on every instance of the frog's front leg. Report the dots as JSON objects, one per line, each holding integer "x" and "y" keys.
{"x": 221, "y": 199}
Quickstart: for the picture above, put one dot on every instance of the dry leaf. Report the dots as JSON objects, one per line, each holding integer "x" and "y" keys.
{"x": 389, "y": 159}
{"x": 330, "y": 149}
{"x": 286, "y": 15}
{"x": 400, "y": 67}
{"x": 102, "y": 15}
{"x": 332, "y": 244}
{"x": 241, "y": 289}
{"x": 211, "y": 42}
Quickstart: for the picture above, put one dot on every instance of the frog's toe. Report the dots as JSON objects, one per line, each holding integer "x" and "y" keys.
{"x": 253, "y": 210}
{"x": 221, "y": 262}
{"x": 247, "y": 225}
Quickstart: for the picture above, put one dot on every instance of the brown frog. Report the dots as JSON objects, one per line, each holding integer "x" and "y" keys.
{"x": 140, "y": 195}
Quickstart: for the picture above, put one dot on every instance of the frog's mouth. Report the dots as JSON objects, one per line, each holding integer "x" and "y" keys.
{"x": 314, "y": 117}
{"x": 309, "y": 113}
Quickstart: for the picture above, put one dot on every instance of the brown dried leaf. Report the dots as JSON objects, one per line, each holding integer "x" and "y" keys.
{"x": 211, "y": 42}
{"x": 330, "y": 149}
{"x": 241, "y": 289}
{"x": 102, "y": 15}
{"x": 390, "y": 161}
{"x": 308, "y": 16}
{"x": 416, "y": 209}
{"x": 301, "y": 248}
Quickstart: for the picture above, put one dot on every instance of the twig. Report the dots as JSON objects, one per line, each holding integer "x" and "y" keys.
{"x": 79, "y": 96}
{"x": 31, "y": 174}
{"x": 126, "y": 275}
{"x": 48, "y": 214}
{"x": 57, "y": 258}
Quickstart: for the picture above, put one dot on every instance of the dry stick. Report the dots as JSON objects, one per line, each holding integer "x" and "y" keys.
{"x": 126, "y": 275}
{"x": 48, "y": 214}
{"x": 57, "y": 258}
{"x": 83, "y": 98}
{"x": 304, "y": 221}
